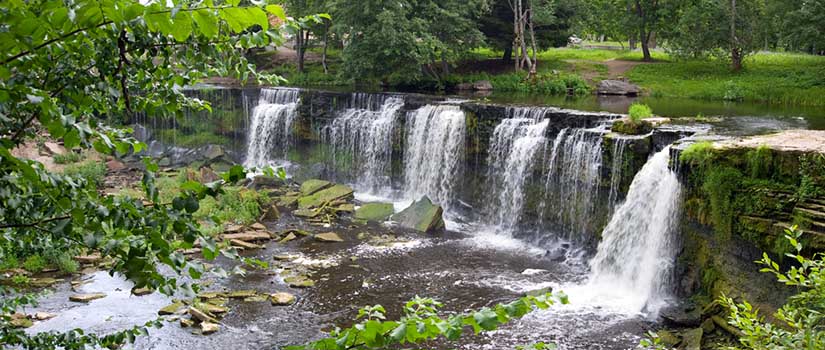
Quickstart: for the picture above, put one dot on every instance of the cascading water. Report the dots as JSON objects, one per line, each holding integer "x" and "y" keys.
{"x": 361, "y": 139}
{"x": 271, "y": 126}
{"x": 434, "y": 152}
{"x": 619, "y": 145}
{"x": 513, "y": 150}
{"x": 572, "y": 179}
{"x": 635, "y": 258}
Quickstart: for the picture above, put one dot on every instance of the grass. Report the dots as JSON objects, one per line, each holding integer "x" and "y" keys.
{"x": 638, "y": 111}
{"x": 92, "y": 171}
{"x": 193, "y": 140}
{"x": 67, "y": 158}
{"x": 787, "y": 79}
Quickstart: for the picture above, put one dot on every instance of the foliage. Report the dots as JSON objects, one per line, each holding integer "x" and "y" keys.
{"x": 237, "y": 205}
{"x": 799, "y": 323}
{"x": 697, "y": 154}
{"x": 71, "y": 66}
{"x": 34, "y": 263}
{"x": 812, "y": 176}
{"x": 759, "y": 161}
{"x": 66, "y": 158}
{"x": 91, "y": 171}
{"x": 639, "y": 111}
{"x": 421, "y": 323}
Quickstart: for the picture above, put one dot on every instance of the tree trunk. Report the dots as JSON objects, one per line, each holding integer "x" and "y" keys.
{"x": 326, "y": 44}
{"x": 643, "y": 33}
{"x": 535, "y": 63}
{"x": 508, "y": 54}
{"x": 299, "y": 49}
{"x": 445, "y": 67}
{"x": 735, "y": 50}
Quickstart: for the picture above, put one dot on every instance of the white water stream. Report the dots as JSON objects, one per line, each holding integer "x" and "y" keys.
{"x": 271, "y": 127}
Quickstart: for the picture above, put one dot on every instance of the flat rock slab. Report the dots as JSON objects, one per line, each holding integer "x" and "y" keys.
{"x": 314, "y": 185}
{"x": 170, "y": 309}
{"x": 42, "y": 316}
{"x": 282, "y": 299}
{"x": 328, "y": 237}
{"x": 244, "y": 244}
{"x": 241, "y": 294}
{"x": 54, "y": 148}
{"x": 85, "y": 298}
{"x": 209, "y": 328}
{"x": 257, "y": 226}
{"x": 250, "y": 236}
{"x": 788, "y": 140}
{"x": 142, "y": 291}
{"x": 299, "y": 282}
{"x": 374, "y": 211}
{"x": 617, "y": 87}
{"x": 88, "y": 259}
{"x": 422, "y": 216}
{"x": 325, "y": 196}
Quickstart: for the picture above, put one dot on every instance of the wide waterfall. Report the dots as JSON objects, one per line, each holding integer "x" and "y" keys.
{"x": 512, "y": 157}
{"x": 271, "y": 126}
{"x": 434, "y": 152}
{"x": 635, "y": 258}
{"x": 360, "y": 139}
{"x": 573, "y": 174}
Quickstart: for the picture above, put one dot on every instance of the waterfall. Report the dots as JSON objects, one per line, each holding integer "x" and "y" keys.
{"x": 514, "y": 147}
{"x": 636, "y": 255}
{"x": 271, "y": 126}
{"x": 433, "y": 160}
{"x": 616, "y": 166}
{"x": 360, "y": 139}
{"x": 573, "y": 175}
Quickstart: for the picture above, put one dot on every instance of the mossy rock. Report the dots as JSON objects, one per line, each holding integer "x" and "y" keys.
{"x": 422, "y": 216}
{"x": 314, "y": 185}
{"x": 325, "y": 196}
{"x": 631, "y": 128}
{"x": 374, "y": 211}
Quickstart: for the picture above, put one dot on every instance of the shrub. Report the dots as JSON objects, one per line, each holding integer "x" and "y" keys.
{"x": 9, "y": 262}
{"x": 638, "y": 111}
{"x": 68, "y": 157}
{"x": 20, "y": 280}
{"x": 697, "y": 154}
{"x": 34, "y": 263}
{"x": 91, "y": 171}
{"x": 62, "y": 260}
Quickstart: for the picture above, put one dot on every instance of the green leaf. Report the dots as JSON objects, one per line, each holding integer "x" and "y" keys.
{"x": 207, "y": 22}
{"x": 487, "y": 319}
{"x": 276, "y": 10}
{"x": 183, "y": 26}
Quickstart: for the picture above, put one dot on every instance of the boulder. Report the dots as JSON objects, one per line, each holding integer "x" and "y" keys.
{"x": 482, "y": 85}
{"x": 54, "y": 148}
{"x": 115, "y": 165}
{"x": 328, "y": 237}
{"x": 692, "y": 339}
{"x": 282, "y": 299}
{"x": 668, "y": 338}
{"x": 345, "y": 208}
{"x": 682, "y": 316}
{"x": 374, "y": 211}
{"x": 213, "y": 152}
{"x": 422, "y": 216}
{"x": 271, "y": 214}
{"x": 209, "y": 328}
{"x": 314, "y": 185}
{"x": 617, "y": 87}
{"x": 287, "y": 201}
{"x": 85, "y": 298}
{"x": 260, "y": 182}
{"x": 464, "y": 87}
{"x": 325, "y": 196}
{"x": 209, "y": 175}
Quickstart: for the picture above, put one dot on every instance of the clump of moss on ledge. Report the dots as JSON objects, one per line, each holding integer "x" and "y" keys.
{"x": 635, "y": 123}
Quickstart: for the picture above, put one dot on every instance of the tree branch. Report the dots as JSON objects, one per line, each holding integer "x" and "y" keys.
{"x": 35, "y": 224}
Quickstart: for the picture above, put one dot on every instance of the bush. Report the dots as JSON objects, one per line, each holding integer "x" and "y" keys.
{"x": 9, "y": 262}
{"x": 68, "y": 157}
{"x": 697, "y": 154}
{"x": 34, "y": 263}
{"x": 238, "y": 205}
{"x": 62, "y": 260}
{"x": 91, "y": 171}
{"x": 638, "y": 111}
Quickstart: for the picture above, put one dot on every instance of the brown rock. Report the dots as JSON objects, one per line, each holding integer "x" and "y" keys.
{"x": 85, "y": 298}
{"x": 89, "y": 259}
{"x": 42, "y": 316}
{"x": 328, "y": 237}
{"x": 288, "y": 238}
{"x": 54, "y": 148}
{"x": 115, "y": 165}
{"x": 258, "y": 226}
{"x": 249, "y": 236}
{"x": 209, "y": 175}
{"x": 209, "y": 328}
{"x": 245, "y": 245}
{"x": 282, "y": 299}
{"x": 201, "y": 316}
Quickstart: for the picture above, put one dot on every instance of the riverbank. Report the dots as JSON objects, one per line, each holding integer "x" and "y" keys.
{"x": 770, "y": 78}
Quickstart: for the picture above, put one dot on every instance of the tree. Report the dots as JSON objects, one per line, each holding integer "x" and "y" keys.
{"x": 304, "y": 25}
{"x": 726, "y": 29}
{"x": 72, "y": 67}
{"x": 552, "y": 22}
{"x": 405, "y": 40}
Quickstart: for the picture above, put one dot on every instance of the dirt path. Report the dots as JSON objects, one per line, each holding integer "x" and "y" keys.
{"x": 618, "y": 68}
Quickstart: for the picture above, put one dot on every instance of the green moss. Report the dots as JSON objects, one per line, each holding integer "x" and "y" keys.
{"x": 719, "y": 186}
{"x": 374, "y": 211}
{"x": 759, "y": 161}
{"x": 638, "y": 111}
{"x": 697, "y": 154}
{"x": 631, "y": 128}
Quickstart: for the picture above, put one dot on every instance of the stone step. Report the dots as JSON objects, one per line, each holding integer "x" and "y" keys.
{"x": 812, "y": 206}
{"x": 811, "y": 214}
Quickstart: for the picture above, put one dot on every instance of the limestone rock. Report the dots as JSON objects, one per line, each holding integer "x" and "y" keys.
{"x": 482, "y": 85}
{"x": 422, "y": 216}
{"x": 89, "y": 259}
{"x": 42, "y": 316}
{"x": 668, "y": 339}
{"x": 243, "y": 244}
{"x": 284, "y": 257}
{"x": 85, "y": 298}
{"x": 617, "y": 87}
{"x": 201, "y": 316}
{"x": 311, "y": 186}
{"x": 209, "y": 328}
{"x": 258, "y": 226}
{"x": 115, "y": 165}
{"x": 233, "y": 228}
{"x": 287, "y": 201}
{"x": 19, "y": 320}
{"x": 261, "y": 182}
{"x": 291, "y": 236}
{"x": 213, "y": 152}
{"x": 241, "y": 294}
{"x": 186, "y": 323}
{"x": 306, "y": 213}
{"x": 282, "y": 299}
{"x": 209, "y": 175}
{"x": 142, "y": 291}
{"x": 250, "y": 236}
{"x": 692, "y": 339}
{"x": 299, "y": 281}
{"x": 54, "y": 148}
{"x": 345, "y": 208}
{"x": 43, "y": 282}
{"x": 325, "y": 196}
{"x": 271, "y": 214}
{"x": 328, "y": 237}
{"x": 374, "y": 211}
{"x": 170, "y": 309}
